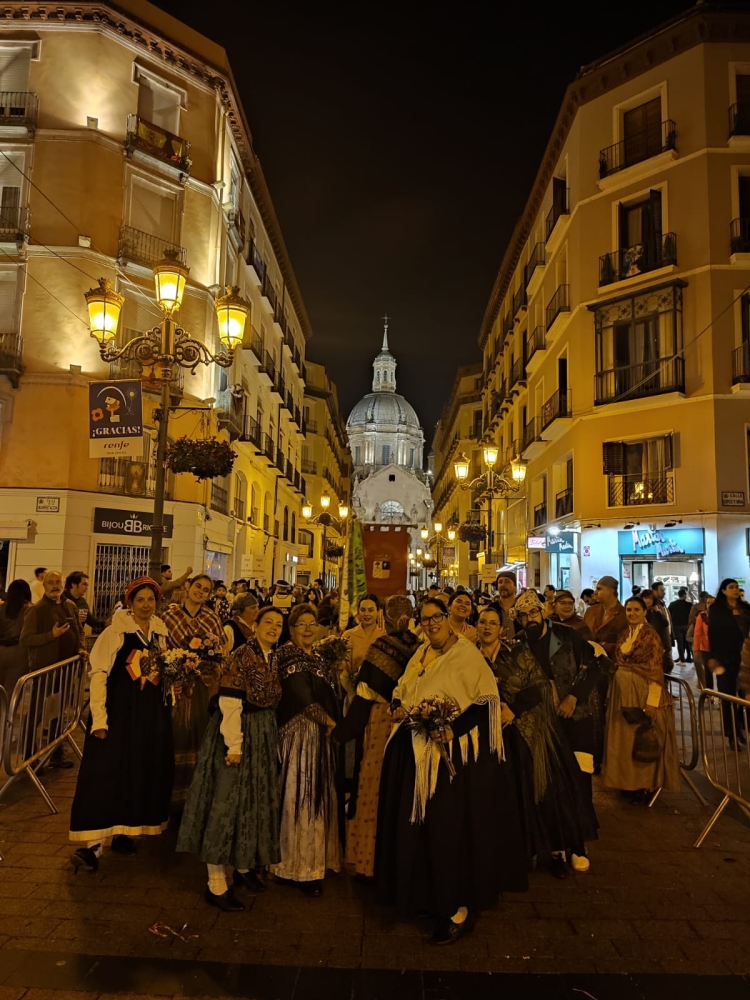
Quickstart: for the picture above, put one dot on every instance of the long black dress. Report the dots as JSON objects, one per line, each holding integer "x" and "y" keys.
{"x": 125, "y": 781}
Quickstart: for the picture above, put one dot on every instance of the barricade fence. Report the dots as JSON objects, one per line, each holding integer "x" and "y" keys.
{"x": 42, "y": 712}
{"x": 726, "y": 755}
{"x": 686, "y": 730}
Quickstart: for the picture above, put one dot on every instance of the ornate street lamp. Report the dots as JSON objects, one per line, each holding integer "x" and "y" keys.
{"x": 163, "y": 348}
{"x": 492, "y": 485}
{"x": 326, "y": 520}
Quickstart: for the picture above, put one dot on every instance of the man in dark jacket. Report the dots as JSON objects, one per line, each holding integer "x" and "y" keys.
{"x": 76, "y": 585}
{"x": 679, "y": 612}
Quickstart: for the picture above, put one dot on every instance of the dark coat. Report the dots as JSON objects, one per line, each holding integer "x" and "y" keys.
{"x": 606, "y": 633}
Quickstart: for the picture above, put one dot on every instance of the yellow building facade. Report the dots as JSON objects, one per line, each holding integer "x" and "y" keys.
{"x": 616, "y": 342}
{"x": 459, "y": 432}
{"x": 122, "y": 136}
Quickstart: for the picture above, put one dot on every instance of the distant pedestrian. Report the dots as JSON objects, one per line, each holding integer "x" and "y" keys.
{"x": 679, "y": 612}
{"x": 701, "y": 646}
{"x": 37, "y": 587}
{"x": 728, "y": 624}
{"x": 241, "y": 625}
{"x": 14, "y": 659}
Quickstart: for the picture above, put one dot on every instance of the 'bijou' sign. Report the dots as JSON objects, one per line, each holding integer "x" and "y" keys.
{"x": 108, "y": 521}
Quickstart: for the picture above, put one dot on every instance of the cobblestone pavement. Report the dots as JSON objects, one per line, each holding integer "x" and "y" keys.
{"x": 651, "y": 904}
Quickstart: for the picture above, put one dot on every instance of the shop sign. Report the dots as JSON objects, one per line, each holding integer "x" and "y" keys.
{"x": 564, "y": 542}
{"x": 488, "y": 573}
{"x": 115, "y": 419}
{"x": 732, "y": 499}
{"x": 109, "y": 521}
{"x": 536, "y": 542}
{"x": 661, "y": 543}
{"x": 587, "y": 550}
{"x": 48, "y": 505}
{"x": 246, "y": 565}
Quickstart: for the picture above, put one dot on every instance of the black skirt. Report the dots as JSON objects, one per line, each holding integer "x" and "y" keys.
{"x": 470, "y": 846}
{"x": 125, "y": 781}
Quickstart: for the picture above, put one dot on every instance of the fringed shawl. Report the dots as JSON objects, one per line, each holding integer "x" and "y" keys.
{"x": 307, "y": 685}
{"x": 644, "y": 657}
{"x": 385, "y": 661}
{"x": 517, "y": 669}
{"x": 463, "y": 675}
{"x": 252, "y": 676}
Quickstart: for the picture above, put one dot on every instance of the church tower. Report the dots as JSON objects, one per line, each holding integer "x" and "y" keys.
{"x": 384, "y": 367}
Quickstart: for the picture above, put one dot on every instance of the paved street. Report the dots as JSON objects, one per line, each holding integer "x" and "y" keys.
{"x": 651, "y": 904}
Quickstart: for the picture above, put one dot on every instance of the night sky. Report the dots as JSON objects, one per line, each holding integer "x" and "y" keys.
{"x": 399, "y": 143}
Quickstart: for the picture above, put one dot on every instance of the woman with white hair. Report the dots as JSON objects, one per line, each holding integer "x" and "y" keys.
{"x": 241, "y": 626}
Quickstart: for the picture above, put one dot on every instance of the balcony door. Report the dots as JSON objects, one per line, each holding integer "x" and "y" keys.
{"x": 640, "y": 227}
{"x": 153, "y": 213}
{"x": 637, "y": 355}
{"x": 159, "y": 105}
{"x": 642, "y": 131}
{"x": 15, "y": 62}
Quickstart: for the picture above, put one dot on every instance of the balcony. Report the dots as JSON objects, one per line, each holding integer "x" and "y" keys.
{"x": 536, "y": 342}
{"x": 649, "y": 378}
{"x": 268, "y": 448}
{"x": 309, "y": 468}
{"x": 530, "y": 434}
{"x": 638, "y": 491}
{"x": 14, "y": 225}
{"x": 557, "y": 407}
{"x": 557, "y": 212}
{"x": 18, "y": 109}
{"x": 540, "y": 515}
{"x": 148, "y": 376}
{"x": 255, "y": 261}
{"x": 637, "y": 148}
{"x": 280, "y": 461}
{"x": 537, "y": 259}
{"x": 519, "y": 302}
{"x": 312, "y": 426}
{"x": 11, "y": 357}
{"x": 564, "y": 503}
{"x": 638, "y": 259}
{"x": 138, "y": 247}
{"x": 120, "y": 475}
{"x": 268, "y": 368}
{"x": 230, "y": 413}
{"x": 269, "y": 294}
{"x": 155, "y": 141}
{"x": 739, "y": 119}
{"x": 251, "y": 431}
{"x": 513, "y": 451}
{"x": 219, "y": 499}
{"x": 254, "y": 343}
{"x": 508, "y": 326}
{"x": 517, "y": 376}
{"x": 289, "y": 472}
{"x": 558, "y": 307}
{"x": 740, "y": 235}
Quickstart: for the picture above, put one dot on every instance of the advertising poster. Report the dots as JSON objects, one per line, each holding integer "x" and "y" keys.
{"x": 115, "y": 419}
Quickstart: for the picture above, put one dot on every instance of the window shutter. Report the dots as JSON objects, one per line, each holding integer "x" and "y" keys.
{"x": 654, "y": 228}
{"x": 745, "y": 313}
{"x": 14, "y": 70}
{"x": 623, "y": 237}
{"x": 668, "y": 453}
{"x": 613, "y": 458}
{"x": 8, "y": 286}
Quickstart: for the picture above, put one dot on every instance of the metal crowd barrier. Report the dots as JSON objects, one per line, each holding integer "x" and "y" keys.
{"x": 726, "y": 752}
{"x": 687, "y": 731}
{"x": 41, "y": 714}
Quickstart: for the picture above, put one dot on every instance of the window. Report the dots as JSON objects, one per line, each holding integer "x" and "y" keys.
{"x": 286, "y": 524}
{"x": 641, "y": 235}
{"x": 357, "y": 455}
{"x": 15, "y": 63}
{"x": 739, "y": 113}
{"x": 294, "y": 528}
{"x": 386, "y": 454}
{"x": 307, "y": 539}
{"x": 152, "y": 211}
{"x": 158, "y": 103}
{"x": 267, "y": 512}
{"x": 8, "y": 298}
{"x": 411, "y": 458}
{"x": 638, "y": 471}
{"x": 12, "y": 215}
{"x": 254, "y": 504}
{"x": 641, "y": 128}
{"x": 638, "y": 339}
{"x": 391, "y": 510}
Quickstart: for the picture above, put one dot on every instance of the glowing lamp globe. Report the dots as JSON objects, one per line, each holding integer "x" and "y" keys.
{"x": 425, "y": 534}
{"x": 461, "y": 467}
{"x": 232, "y": 312}
{"x": 170, "y": 277}
{"x": 451, "y": 534}
{"x": 325, "y": 500}
{"x": 438, "y": 526}
{"x": 343, "y": 511}
{"x": 490, "y": 454}
{"x": 104, "y": 306}
{"x": 518, "y": 470}
{"x": 307, "y": 511}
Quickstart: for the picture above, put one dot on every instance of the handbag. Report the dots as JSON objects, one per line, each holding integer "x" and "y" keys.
{"x": 647, "y": 748}
{"x": 635, "y": 716}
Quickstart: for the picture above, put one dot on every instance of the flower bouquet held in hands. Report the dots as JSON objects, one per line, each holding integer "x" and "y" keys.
{"x": 177, "y": 668}
{"x": 334, "y": 651}
{"x": 433, "y": 717}
{"x": 209, "y": 649}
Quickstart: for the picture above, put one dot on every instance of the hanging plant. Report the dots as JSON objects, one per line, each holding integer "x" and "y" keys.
{"x": 429, "y": 563}
{"x": 335, "y": 551}
{"x": 470, "y": 531}
{"x": 205, "y": 459}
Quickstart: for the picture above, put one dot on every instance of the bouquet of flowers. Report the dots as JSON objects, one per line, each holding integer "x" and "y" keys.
{"x": 333, "y": 649}
{"x": 176, "y": 666}
{"x": 432, "y": 717}
{"x": 208, "y": 650}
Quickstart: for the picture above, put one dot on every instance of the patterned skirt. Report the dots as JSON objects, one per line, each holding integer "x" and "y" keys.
{"x": 362, "y": 827}
{"x": 231, "y": 814}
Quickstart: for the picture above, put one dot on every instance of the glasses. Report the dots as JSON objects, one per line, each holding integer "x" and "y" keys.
{"x": 522, "y": 616}
{"x": 435, "y": 619}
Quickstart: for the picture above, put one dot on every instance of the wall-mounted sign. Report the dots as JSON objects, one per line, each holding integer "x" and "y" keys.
{"x": 661, "y": 543}
{"x": 732, "y": 499}
{"x": 564, "y": 542}
{"x": 108, "y": 521}
{"x": 536, "y": 542}
{"x": 587, "y": 550}
{"x": 115, "y": 419}
{"x": 48, "y": 505}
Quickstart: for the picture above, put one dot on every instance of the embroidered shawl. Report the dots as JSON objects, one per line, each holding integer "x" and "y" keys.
{"x": 308, "y": 685}
{"x": 644, "y": 657}
{"x": 250, "y": 675}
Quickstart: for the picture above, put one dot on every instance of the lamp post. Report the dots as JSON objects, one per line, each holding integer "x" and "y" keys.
{"x": 492, "y": 484}
{"x": 437, "y": 527}
{"x": 164, "y": 348}
{"x": 326, "y": 520}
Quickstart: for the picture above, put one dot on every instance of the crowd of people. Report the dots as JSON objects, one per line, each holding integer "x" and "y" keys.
{"x": 442, "y": 746}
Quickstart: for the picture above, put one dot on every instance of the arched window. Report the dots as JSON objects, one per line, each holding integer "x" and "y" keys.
{"x": 294, "y": 528}
{"x": 240, "y": 496}
{"x": 255, "y": 504}
{"x": 286, "y": 524}
{"x": 391, "y": 510}
{"x": 267, "y": 512}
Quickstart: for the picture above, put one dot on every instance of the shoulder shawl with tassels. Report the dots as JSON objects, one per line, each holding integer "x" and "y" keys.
{"x": 307, "y": 681}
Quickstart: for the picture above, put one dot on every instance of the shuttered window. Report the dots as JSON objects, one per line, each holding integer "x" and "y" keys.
{"x": 151, "y": 211}
{"x": 159, "y": 105}
{"x": 8, "y": 296}
{"x": 650, "y": 457}
{"x": 14, "y": 69}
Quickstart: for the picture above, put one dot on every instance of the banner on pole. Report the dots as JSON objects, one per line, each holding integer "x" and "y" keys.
{"x": 115, "y": 419}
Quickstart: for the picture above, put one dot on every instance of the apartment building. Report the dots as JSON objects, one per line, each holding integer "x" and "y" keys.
{"x": 459, "y": 432}
{"x": 326, "y": 466}
{"x": 616, "y": 342}
{"x": 122, "y": 137}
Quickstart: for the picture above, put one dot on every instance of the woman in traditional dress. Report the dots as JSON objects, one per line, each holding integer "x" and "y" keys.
{"x": 361, "y": 637}
{"x": 638, "y": 687}
{"x": 558, "y": 810}
{"x": 307, "y": 714}
{"x": 125, "y": 780}
{"x": 448, "y": 847}
{"x": 461, "y": 607}
{"x": 232, "y": 810}
{"x": 368, "y": 721}
{"x": 190, "y": 625}
{"x": 241, "y": 626}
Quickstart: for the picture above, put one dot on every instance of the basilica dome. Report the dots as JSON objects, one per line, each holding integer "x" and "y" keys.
{"x": 383, "y": 409}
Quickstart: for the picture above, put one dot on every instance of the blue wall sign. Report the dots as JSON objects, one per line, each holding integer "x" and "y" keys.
{"x": 564, "y": 542}
{"x": 661, "y": 543}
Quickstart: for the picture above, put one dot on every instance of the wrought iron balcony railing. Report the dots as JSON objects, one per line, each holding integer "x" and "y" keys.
{"x": 219, "y": 499}
{"x": 540, "y": 515}
{"x": 18, "y": 108}
{"x": 11, "y": 357}
{"x": 148, "y": 376}
{"x": 309, "y": 468}
{"x": 740, "y": 235}
{"x": 564, "y": 503}
{"x": 638, "y": 259}
{"x": 535, "y": 341}
{"x": 230, "y": 413}
{"x": 558, "y": 405}
{"x": 649, "y": 378}
{"x": 518, "y": 374}
{"x": 557, "y": 211}
{"x": 531, "y": 432}
{"x": 267, "y": 289}
{"x": 519, "y": 300}
{"x": 251, "y": 431}
{"x": 157, "y": 142}
{"x": 255, "y": 260}
{"x": 638, "y": 147}
{"x": 268, "y": 447}
{"x": 639, "y": 490}
{"x": 537, "y": 259}
{"x": 741, "y": 364}
{"x": 143, "y": 248}
{"x": 739, "y": 119}
{"x": 559, "y": 303}
{"x": 14, "y": 224}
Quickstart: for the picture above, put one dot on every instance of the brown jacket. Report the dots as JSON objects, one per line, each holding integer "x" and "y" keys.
{"x": 606, "y": 631}
{"x": 36, "y": 634}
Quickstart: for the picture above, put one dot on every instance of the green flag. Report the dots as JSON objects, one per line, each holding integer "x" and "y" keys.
{"x": 354, "y": 584}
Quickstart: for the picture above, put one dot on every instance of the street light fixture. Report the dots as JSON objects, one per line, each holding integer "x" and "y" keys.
{"x": 491, "y": 484}
{"x": 425, "y": 534}
{"x": 163, "y": 348}
{"x": 326, "y": 520}
{"x": 451, "y": 534}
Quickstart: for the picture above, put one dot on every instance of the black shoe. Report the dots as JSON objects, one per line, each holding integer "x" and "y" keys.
{"x": 448, "y": 932}
{"x": 312, "y": 889}
{"x": 225, "y": 901}
{"x": 558, "y": 867}
{"x": 122, "y": 844}
{"x": 248, "y": 880}
{"x": 59, "y": 761}
{"x": 741, "y": 737}
{"x": 85, "y": 857}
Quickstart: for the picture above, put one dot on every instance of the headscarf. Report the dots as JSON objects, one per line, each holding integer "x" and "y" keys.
{"x": 528, "y": 601}
{"x": 142, "y": 581}
{"x": 396, "y": 608}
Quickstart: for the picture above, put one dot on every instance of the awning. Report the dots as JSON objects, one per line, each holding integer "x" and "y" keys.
{"x": 15, "y": 529}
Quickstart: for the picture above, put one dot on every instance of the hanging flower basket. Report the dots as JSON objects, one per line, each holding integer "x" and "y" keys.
{"x": 335, "y": 551}
{"x": 429, "y": 563}
{"x": 470, "y": 531}
{"x": 209, "y": 459}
